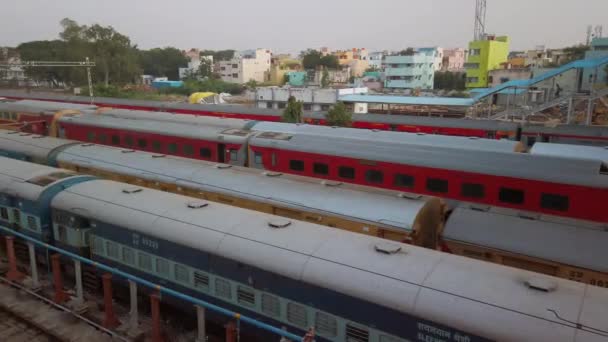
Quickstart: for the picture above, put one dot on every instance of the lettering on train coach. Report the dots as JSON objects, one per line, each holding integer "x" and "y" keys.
{"x": 429, "y": 333}
{"x": 139, "y": 240}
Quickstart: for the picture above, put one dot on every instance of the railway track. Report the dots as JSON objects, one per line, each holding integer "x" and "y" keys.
{"x": 16, "y": 329}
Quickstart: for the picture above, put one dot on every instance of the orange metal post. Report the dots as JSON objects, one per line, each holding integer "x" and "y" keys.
{"x": 13, "y": 274}
{"x": 155, "y": 304}
{"x": 230, "y": 332}
{"x": 60, "y": 295}
{"x": 110, "y": 320}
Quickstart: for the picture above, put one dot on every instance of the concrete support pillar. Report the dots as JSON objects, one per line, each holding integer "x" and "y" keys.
{"x": 200, "y": 315}
{"x": 60, "y": 295}
{"x": 134, "y": 314}
{"x": 589, "y": 111}
{"x": 230, "y": 331}
{"x": 78, "y": 275}
{"x": 110, "y": 320}
{"x": 33, "y": 265}
{"x": 156, "y": 331}
{"x": 13, "y": 274}
{"x": 570, "y": 110}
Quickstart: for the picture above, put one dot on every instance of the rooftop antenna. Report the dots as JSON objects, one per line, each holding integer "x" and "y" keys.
{"x": 480, "y": 20}
{"x": 589, "y": 29}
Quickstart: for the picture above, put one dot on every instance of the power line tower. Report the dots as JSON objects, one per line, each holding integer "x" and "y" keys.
{"x": 480, "y": 20}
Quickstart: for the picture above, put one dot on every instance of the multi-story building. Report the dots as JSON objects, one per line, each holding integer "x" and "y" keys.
{"x": 279, "y": 67}
{"x": 599, "y": 48}
{"x": 375, "y": 60}
{"x": 315, "y": 99}
{"x": 356, "y": 59}
{"x": 194, "y": 63}
{"x": 485, "y": 55}
{"x": 246, "y": 66}
{"x": 409, "y": 72}
{"x": 453, "y": 60}
{"x": 436, "y": 53}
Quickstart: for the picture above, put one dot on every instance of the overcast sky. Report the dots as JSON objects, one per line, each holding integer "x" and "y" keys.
{"x": 289, "y": 26}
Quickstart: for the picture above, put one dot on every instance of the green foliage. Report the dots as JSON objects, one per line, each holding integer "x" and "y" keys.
{"x": 447, "y": 80}
{"x": 251, "y": 84}
{"x": 325, "y": 78}
{"x": 162, "y": 62}
{"x": 311, "y": 59}
{"x": 286, "y": 78}
{"x": 407, "y": 52}
{"x": 293, "y": 111}
{"x": 205, "y": 70}
{"x": 575, "y": 52}
{"x": 338, "y": 115}
{"x": 220, "y": 55}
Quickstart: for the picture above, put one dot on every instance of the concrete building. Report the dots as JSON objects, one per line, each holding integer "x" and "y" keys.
{"x": 193, "y": 65}
{"x": 281, "y": 66}
{"x": 506, "y": 74}
{"x": 297, "y": 78}
{"x": 246, "y": 66}
{"x": 436, "y": 53}
{"x": 409, "y": 72}
{"x": 453, "y": 60}
{"x": 315, "y": 99}
{"x": 599, "y": 48}
{"x": 356, "y": 59}
{"x": 375, "y": 60}
{"x": 485, "y": 55}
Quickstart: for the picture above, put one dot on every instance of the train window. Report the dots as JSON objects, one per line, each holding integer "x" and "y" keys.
{"x": 554, "y": 202}
{"x": 172, "y": 148}
{"x": 128, "y": 140}
{"x": 142, "y": 143}
{"x": 234, "y": 155}
{"x": 245, "y": 296}
{"x": 97, "y": 245}
{"x": 181, "y": 274}
{"x": 111, "y": 249}
{"x": 222, "y": 288}
{"x": 201, "y": 281}
{"x": 437, "y": 185}
{"x": 162, "y": 267}
{"x": 326, "y": 325}
{"x": 115, "y": 139}
{"x": 128, "y": 256}
{"x": 296, "y": 314}
{"x": 320, "y": 169}
{"x": 17, "y": 216}
{"x": 472, "y": 190}
{"x": 296, "y": 165}
{"x": 103, "y": 138}
{"x": 271, "y": 305}
{"x": 188, "y": 150}
{"x": 404, "y": 181}
{"x": 257, "y": 158}
{"x": 346, "y": 172}
{"x": 514, "y": 196}
{"x": 91, "y": 136}
{"x": 356, "y": 334}
{"x": 374, "y": 176}
{"x": 205, "y": 152}
{"x": 31, "y": 223}
{"x": 4, "y": 213}
{"x": 156, "y": 146}
{"x": 144, "y": 261}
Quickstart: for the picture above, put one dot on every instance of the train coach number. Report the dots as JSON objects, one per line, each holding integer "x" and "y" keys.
{"x": 144, "y": 241}
{"x": 429, "y": 333}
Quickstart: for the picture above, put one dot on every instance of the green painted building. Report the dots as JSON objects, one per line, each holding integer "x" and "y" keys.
{"x": 485, "y": 55}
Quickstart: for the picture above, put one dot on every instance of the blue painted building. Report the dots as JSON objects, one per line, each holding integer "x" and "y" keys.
{"x": 599, "y": 48}
{"x": 409, "y": 72}
{"x": 166, "y": 84}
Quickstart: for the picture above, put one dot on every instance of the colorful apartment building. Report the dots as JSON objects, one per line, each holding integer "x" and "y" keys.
{"x": 409, "y": 72}
{"x": 485, "y": 55}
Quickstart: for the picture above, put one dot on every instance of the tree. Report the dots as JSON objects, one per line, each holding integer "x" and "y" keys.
{"x": 338, "y": 115}
{"x": 447, "y": 80}
{"x": 205, "y": 70}
{"x": 330, "y": 61}
{"x": 163, "y": 62}
{"x": 407, "y": 52}
{"x": 575, "y": 52}
{"x": 220, "y": 55}
{"x": 293, "y": 111}
{"x": 251, "y": 84}
{"x": 325, "y": 78}
{"x": 310, "y": 58}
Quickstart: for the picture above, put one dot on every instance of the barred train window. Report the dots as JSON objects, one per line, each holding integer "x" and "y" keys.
{"x": 437, "y": 185}
{"x": 296, "y": 165}
{"x": 405, "y": 181}
{"x": 111, "y": 249}
{"x": 374, "y": 176}
{"x": 205, "y": 152}
{"x": 271, "y": 305}
{"x": 162, "y": 267}
{"x": 296, "y": 314}
{"x": 156, "y": 146}
{"x": 326, "y": 324}
{"x": 142, "y": 143}
{"x": 115, "y": 139}
{"x": 472, "y": 190}
{"x": 91, "y": 136}
{"x": 31, "y": 223}
{"x": 144, "y": 261}
{"x": 201, "y": 281}
{"x": 128, "y": 256}
{"x": 172, "y": 148}
{"x": 97, "y": 245}
{"x": 181, "y": 274}
{"x": 222, "y": 288}
{"x": 554, "y": 202}
{"x": 245, "y": 296}
{"x": 188, "y": 150}
{"x": 4, "y": 213}
{"x": 356, "y": 334}
{"x": 346, "y": 172}
{"x": 129, "y": 140}
{"x": 320, "y": 169}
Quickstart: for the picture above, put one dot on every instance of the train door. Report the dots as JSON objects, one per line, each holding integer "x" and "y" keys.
{"x": 221, "y": 153}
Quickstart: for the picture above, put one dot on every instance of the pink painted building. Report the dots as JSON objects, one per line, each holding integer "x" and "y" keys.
{"x": 453, "y": 59}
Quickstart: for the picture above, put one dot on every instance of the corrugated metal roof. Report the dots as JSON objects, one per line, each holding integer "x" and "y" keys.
{"x": 409, "y": 100}
{"x": 563, "y": 243}
{"x": 516, "y": 165}
{"x": 571, "y": 151}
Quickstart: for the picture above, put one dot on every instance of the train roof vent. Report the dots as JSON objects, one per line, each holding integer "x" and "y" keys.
{"x": 37, "y": 136}
{"x": 275, "y": 135}
{"x": 272, "y": 174}
{"x": 279, "y": 223}
{"x": 223, "y": 166}
{"x": 158, "y": 155}
{"x": 541, "y": 284}
{"x": 235, "y": 131}
{"x": 474, "y": 138}
{"x": 478, "y": 207}
{"x": 197, "y": 204}
{"x": 409, "y": 196}
{"x": 132, "y": 190}
{"x": 87, "y": 144}
{"x": 421, "y": 133}
{"x": 528, "y": 216}
{"x": 330, "y": 183}
{"x": 387, "y": 248}
{"x": 375, "y": 130}
{"x": 127, "y": 151}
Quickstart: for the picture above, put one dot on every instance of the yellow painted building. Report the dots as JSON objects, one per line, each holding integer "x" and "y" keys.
{"x": 485, "y": 55}
{"x": 279, "y": 67}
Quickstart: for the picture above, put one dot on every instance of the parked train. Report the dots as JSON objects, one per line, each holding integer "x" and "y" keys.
{"x": 555, "y": 246}
{"x": 350, "y": 287}
{"x": 458, "y": 168}
{"x": 527, "y": 133}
